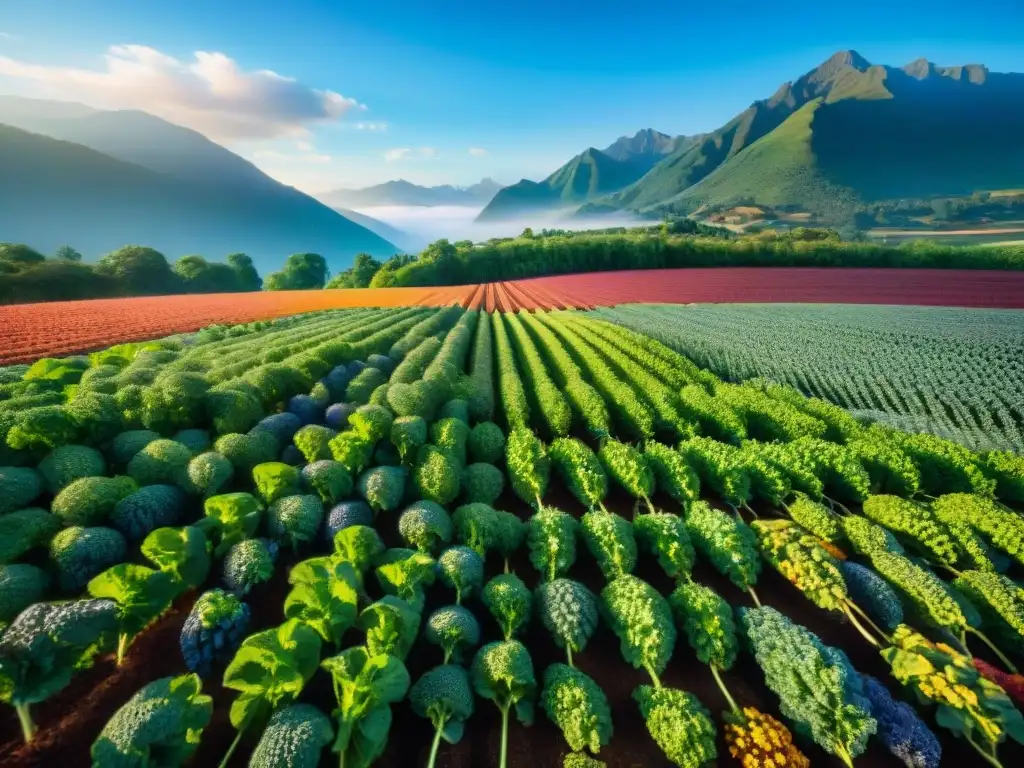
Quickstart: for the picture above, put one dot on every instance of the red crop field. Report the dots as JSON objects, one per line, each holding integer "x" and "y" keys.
{"x": 31, "y": 331}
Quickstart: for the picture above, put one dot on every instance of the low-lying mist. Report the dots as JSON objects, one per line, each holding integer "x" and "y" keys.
{"x": 423, "y": 225}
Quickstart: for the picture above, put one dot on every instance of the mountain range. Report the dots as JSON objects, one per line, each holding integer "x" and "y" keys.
{"x": 589, "y": 175}
{"x": 97, "y": 180}
{"x": 402, "y": 192}
{"x": 841, "y": 137}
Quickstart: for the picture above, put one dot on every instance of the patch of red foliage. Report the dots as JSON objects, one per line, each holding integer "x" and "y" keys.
{"x": 31, "y": 331}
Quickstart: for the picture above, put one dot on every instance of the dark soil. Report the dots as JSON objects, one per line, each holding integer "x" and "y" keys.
{"x": 69, "y": 722}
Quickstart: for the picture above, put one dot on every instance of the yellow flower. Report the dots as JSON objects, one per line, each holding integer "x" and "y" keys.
{"x": 758, "y": 740}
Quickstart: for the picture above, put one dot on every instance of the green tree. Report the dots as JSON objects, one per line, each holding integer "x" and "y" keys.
{"x": 363, "y": 269}
{"x": 67, "y": 253}
{"x": 19, "y": 256}
{"x": 201, "y": 276}
{"x": 301, "y": 272}
{"x": 248, "y": 278}
{"x": 142, "y": 271}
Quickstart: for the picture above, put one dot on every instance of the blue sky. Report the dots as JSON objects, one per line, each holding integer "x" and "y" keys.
{"x": 450, "y": 91}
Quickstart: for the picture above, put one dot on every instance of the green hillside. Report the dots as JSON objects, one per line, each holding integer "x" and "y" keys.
{"x": 860, "y": 133}
{"x": 55, "y": 192}
{"x": 589, "y": 175}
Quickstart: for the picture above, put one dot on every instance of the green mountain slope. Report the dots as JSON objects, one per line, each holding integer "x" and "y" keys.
{"x": 846, "y": 134}
{"x": 591, "y": 174}
{"x": 289, "y": 220}
{"x": 54, "y": 192}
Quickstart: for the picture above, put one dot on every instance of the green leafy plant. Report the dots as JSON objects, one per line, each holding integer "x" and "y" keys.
{"x": 406, "y": 574}
{"x": 230, "y": 517}
{"x": 569, "y": 612}
{"x": 729, "y": 544}
{"x": 642, "y": 620}
{"x": 509, "y": 601}
{"x": 184, "y": 553}
{"x": 444, "y": 697}
{"x": 679, "y": 725}
{"x": 664, "y": 536}
{"x": 551, "y": 538}
{"x": 391, "y": 625}
{"x": 610, "y": 539}
{"x": 503, "y": 673}
{"x": 324, "y": 596}
{"x": 581, "y": 471}
{"x": 529, "y": 465}
{"x": 454, "y": 629}
{"x": 141, "y": 595}
{"x": 578, "y": 706}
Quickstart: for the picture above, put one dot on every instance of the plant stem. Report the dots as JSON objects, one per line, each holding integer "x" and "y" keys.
{"x": 845, "y": 756}
{"x": 231, "y": 749}
{"x": 1009, "y": 664}
{"x": 568, "y": 655}
{"x": 753, "y": 596}
{"x": 28, "y": 728}
{"x": 654, "y": 676}
{"x": 872, "y": 624}
{"x": 504, "y": 737}
{"x": 122, "y": 647}
{"x": 433, "y": 747}
{"x": 988, "y": 758}
{"x": 853, "y": 620}
{"x": 750, "y": 510}
{"x": 725, "y": 691}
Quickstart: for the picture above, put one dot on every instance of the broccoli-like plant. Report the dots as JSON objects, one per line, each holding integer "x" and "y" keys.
{"x": 664, "y": 536}
{"x": 149, "y": 508}
{"x": 889, "y": 468}
{"x": 269, "y": 670}
{"x": 20, "y": 586}
{"x": 873, "y": 593}
{"x": 679, "y": 725}
{"x": 294, "y": 738}
{"x": 78, "y": 554}
{"x": 815, "y": 518}
{"x": 551, "y": 538}
{"x": 729, "y": 544}
{"x": 757, "y": 739}
{"x": 282, "y": 426}
{"x": 19, "y": 486}
{"x": 629, "y": 468}
{"x": 246, "y": 451}
{"x": 720, "y": 467}
{"x": 213, "y": 630}
{"x": 67, "y": 463}
{"x": 867, "y": 538}
{"x": 436, "y": 476}
{"x": 358, "y": 545}
{"x": 91, "y": 500}
{"x": 503, "y": 673}
{"x": 232, "y": 411}
{"x": 454, "y": 629}
{"x": 462, "y": 569}
{"x": 1007, "y": 469}
{"x": 25, "y": 529}
{"x": 426, "y": 526}
{"x": 141, "y": 594}
{"x": 408, "y": 435}
{"x": 486, "y": 443}
{"x": 161, "y": 724}
{"x": 391, "y": 626}
{"x": 609, "y": 538}
{"x": 455, "y": 409}
{"x": 324, "y": 596}
{"x": 405, "y": 574}
{"x": 477, "y": 526}
{"x": 42, "y": 648}
{"x": 306, "y": 408}
{"x": 569, "y": 612}
{"x": 372, "y": 422}
{"x": 383, "y": 487}
{"x": 314, "y": 442}
{"x": 336, "y": 417}
{"x": 295, "y": 520}
{"x": 363, "y": 384}
{"x": 248, "y": 563}
{"x": 813, "y": 685}
{"x": 922, "y": 590}
{"x": 451, "y": 435}
{"x": 642, "y": 620}
{"x": 900, "y": 728}
{"x": 365, "y": 686}
{"x": 581, "y": 470}
{"x": 578, "y": 706}
{"x": 444, "y": 697}
{"x": 998, "y": 525}
{"x": 47, "y": 426}
{"x": 275, "y": 480}
{"x": 672, "y": 474}
{"x": 1001, "y": 603}
{"x": 196, "y": 440}
{"x": 162, "y": 461}
{"x": 346, "y": 514}
{"x": 327, "y": 479}
{"x": 915, "y": 522}
{"x": 207, "y": 473}
{"x": 707, "y": 620}
{"x": 529, "y": 466}
{"x": 509, "y": 601}
{"x": 482, "y": 483}
{"x": 230, "y": 518}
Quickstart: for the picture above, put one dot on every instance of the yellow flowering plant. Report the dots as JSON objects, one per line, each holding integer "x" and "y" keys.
{"x": 758, "y": 740}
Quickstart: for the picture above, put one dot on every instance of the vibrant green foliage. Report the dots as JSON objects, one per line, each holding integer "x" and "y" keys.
{"x": 437, "y": 475}
{"x": 673, "y": 475}
{"x": 569, "y": 611}
{"x": 324, "y": 596}
{"x": 664, "y": 536}
{"x": 454, "y": 629}
{"x": 679, "y": 725}
{"x": 509, "y": 601}
{"x": 609, "y": 538}
{"x": 581, "y": 470}
{"x": 462, "y": 569}
{"x": 78, "y": 554}
{"x": 391, "y": 626}
{"x": 529, "y": 466}
{"x": 578, "y": 706}
{"x": 294, "y": 737}
{"x": 708, "y": 623}
{"x": 922, "y": 590}
{"x": 426, "y": 526}
{"x": 443, "y": 696}
{"x": 642, "y": 620}
{"x": 726, "y": 542}
{"x": 551, "y": 538}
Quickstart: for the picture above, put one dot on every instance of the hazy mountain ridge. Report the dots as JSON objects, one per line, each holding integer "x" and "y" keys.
{"x": 591, "y": 174}
{"x": 100, "y": 179}
{"x": 402, "y": 192}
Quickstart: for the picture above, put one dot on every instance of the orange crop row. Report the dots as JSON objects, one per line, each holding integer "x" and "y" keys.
{"x": 31, "y": 331}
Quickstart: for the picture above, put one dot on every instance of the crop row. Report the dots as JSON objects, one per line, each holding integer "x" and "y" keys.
{"x": 349, "y": 457}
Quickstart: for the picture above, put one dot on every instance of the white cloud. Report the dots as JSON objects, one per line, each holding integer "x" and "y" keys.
{"x": 304, "y": 146}
{"x": 408, "y": 153}
{"x": 370, "y": 126}
{"x": 477, "y": 151}
{"x": 428, "y": 152}
{"x": 399, "y": 153}
{"x": 211, "y": 93}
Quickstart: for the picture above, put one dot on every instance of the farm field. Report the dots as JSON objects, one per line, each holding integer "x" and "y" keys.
{"x": 32, "y": 331}
{"x": 958, "y": 373}
{"x": 300, "y": 521}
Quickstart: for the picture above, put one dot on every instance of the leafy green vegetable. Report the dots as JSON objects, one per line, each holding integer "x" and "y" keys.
{"x": 503, "y": 673}
{"x": 141, "y": 595}
{"x": 324, "y": 596}
{"x": 443, "y": 696}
